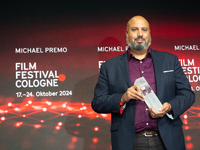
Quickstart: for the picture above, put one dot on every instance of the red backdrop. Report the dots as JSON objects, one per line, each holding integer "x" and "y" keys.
{"x": 45, "y": 96}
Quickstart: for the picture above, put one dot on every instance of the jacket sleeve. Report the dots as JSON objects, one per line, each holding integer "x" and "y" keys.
{"x": 104, "y": 101}
{"x": 185, "y": 97}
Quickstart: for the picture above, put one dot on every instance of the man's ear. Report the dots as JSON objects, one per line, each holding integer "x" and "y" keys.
{"x": 126, "y": 33}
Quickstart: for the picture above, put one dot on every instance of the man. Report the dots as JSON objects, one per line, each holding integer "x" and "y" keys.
{"x": 133, "y": 124}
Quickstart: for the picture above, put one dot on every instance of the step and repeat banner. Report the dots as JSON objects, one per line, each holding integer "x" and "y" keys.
{"x": 49, "y": 68}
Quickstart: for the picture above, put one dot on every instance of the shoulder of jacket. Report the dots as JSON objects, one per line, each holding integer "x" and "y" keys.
{"x": 116, "y": 58}
{"x": 163, "y": 53}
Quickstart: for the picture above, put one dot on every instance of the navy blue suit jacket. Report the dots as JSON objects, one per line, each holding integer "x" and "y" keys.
{"x": 172, "y": 86}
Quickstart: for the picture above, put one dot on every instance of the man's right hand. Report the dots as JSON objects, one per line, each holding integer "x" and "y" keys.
{"x": 134, "y": 92}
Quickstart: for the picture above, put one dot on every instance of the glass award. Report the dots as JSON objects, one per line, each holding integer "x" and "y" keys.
{"x": 150, "y": 97}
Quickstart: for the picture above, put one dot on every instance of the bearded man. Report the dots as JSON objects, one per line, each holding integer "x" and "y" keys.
{"x": 134, "y": 125}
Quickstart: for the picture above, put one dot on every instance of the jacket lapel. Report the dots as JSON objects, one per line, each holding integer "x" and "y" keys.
{"x": 123, "y": 63}
{"x": 157, "y": 69}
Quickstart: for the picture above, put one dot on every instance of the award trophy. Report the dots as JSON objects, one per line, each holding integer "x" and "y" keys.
{"x": 150, "y": 97}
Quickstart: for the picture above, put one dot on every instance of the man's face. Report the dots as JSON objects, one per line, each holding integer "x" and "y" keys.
{"x": 138, "y": 34}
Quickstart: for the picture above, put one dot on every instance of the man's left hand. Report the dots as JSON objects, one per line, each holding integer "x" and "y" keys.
{"x": 161, "y": 112}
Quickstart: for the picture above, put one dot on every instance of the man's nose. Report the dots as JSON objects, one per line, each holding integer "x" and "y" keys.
{"x": 140, "y": 33}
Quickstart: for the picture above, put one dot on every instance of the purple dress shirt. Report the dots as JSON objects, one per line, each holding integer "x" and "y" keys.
{"x": 145, "y": 68}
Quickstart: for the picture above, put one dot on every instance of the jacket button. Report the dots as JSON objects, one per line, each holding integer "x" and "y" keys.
{"x": 132, "y": 123}
{"x": 133, "y": 106}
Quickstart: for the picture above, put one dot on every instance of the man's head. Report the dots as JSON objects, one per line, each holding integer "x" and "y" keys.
{"x": 138, "y": 33}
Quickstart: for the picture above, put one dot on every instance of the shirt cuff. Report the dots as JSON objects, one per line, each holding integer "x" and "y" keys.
{"x": 169, "y": 114}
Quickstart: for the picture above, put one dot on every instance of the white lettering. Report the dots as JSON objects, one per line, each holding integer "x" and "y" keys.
{"x": 55, "y": 50}
{"x": 186, "y": 62}
{"x": 100, "y": 63}
{"x": 24, "y": 66}
{"x": 186, "y": 47}
{"x": 110, "y": 49}
{"x": 36, "y": 83}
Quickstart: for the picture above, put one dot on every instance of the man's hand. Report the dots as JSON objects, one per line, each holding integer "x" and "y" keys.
{"x": 134, "y": 92}
{"x": 161, "y": 112}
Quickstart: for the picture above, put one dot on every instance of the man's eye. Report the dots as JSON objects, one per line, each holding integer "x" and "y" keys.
{"x": 144, "y": 29}
{"x": 134, "y": 29}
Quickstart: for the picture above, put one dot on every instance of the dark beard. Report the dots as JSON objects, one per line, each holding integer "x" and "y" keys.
{"x": 139, "y": 47}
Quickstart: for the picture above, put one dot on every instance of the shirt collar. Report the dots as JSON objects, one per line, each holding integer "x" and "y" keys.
{"x": 131, "y": 56}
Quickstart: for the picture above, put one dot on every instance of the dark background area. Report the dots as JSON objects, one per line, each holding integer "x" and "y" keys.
{"x": 33, "y": 11}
